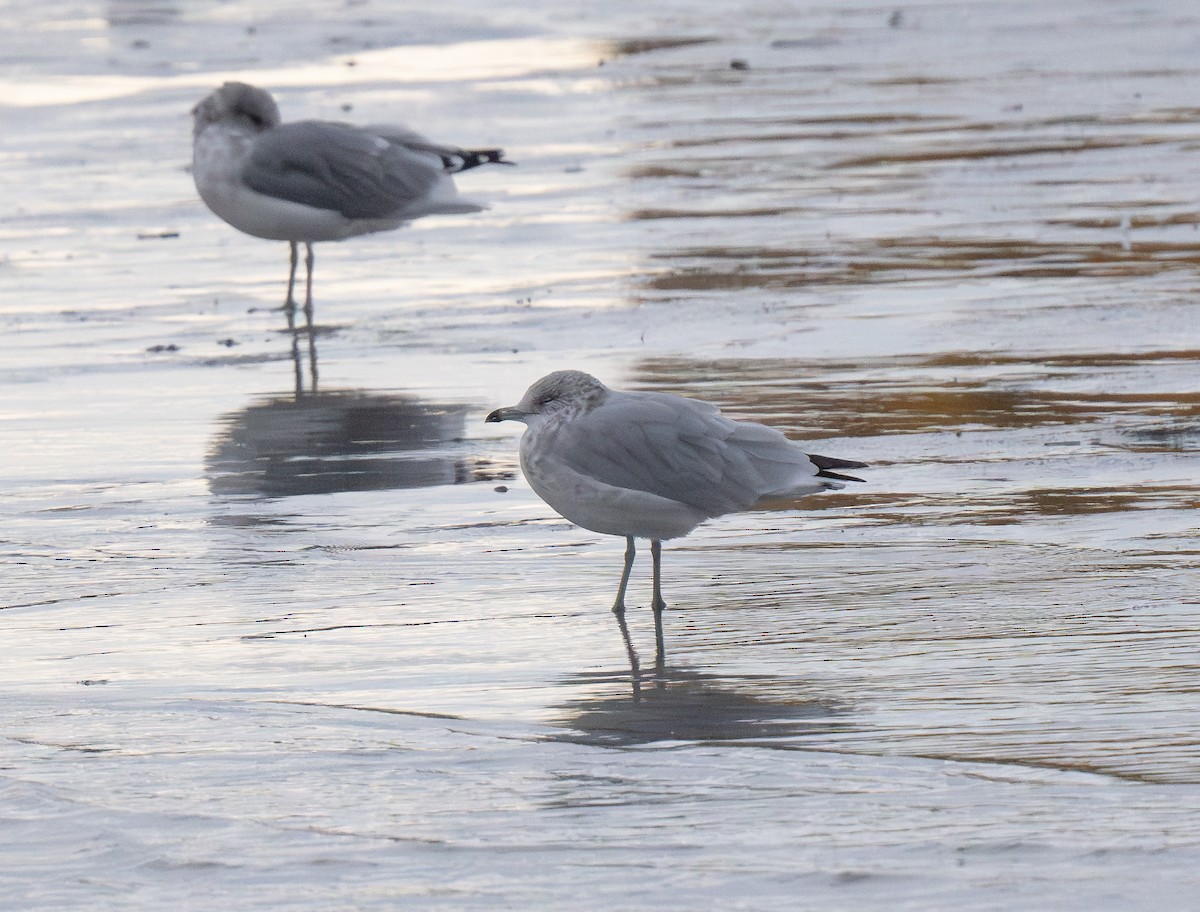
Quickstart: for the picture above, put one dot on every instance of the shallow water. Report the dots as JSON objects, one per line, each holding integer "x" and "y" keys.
{"x": 291, "y": 637}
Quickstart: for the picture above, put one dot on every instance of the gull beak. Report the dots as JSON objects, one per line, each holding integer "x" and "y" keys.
{"x": 510, "y": 413}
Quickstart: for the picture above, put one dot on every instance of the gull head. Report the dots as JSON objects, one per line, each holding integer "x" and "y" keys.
{"x": 561, "y": 395}
{"x": 239, "y": 105}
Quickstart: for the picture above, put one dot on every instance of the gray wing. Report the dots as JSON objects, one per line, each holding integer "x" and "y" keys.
{"x": 453, "y": 157}
{"x": 684, "y": 450}
{"x": 341, "y": 168}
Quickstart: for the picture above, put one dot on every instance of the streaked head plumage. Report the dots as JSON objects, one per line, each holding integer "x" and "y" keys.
{"x": 561, "y": 394}
{"x": 237, "y": 103}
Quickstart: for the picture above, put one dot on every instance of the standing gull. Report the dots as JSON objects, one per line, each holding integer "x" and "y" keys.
{"x": 315, "y": 180}
{"x": 652, "y": 465}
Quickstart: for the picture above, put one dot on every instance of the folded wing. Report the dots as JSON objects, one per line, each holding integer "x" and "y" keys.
{"x": 344, "y": 169}
{"x": 684, "y": 450}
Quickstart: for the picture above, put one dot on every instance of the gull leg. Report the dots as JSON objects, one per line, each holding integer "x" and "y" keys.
{"x": 660, "y": 657}
{"x": 289, "y": 304}
{"x": 619, "y": 610}
{"x": 630, "y": 551}
{"x": 308, "y": 265}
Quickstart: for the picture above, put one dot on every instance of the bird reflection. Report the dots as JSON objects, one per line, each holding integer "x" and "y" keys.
{"x": 320, "y": 443}
{"x": 690, "y": 706}
{"x": 298, "y": 355}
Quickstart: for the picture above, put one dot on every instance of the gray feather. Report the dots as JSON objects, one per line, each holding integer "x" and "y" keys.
{"x": 683, "y": 450}
{"x": 340, "y": 168}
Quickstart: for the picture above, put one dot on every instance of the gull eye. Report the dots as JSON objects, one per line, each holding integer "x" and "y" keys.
{"x": 545, "y": 399}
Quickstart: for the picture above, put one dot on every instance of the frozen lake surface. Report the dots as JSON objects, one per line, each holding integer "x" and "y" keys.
{"x": 291, "y": 638}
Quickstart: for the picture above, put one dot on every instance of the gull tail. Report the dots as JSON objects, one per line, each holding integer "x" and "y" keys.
{"x": 466, "y": 159}
{"x": 825, "y": 463}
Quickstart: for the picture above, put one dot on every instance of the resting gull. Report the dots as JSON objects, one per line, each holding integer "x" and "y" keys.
{"x": 315, "y": 180}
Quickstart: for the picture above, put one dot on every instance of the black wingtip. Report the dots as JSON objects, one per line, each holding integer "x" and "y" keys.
{"x": 473, "y": 158}
{"x": 825, "y": 464}
{"x": 837, "y": 476}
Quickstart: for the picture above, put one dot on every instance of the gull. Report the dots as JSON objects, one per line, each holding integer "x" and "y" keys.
{"x": 653, "y": 465}
{"x": 315, "y": 180}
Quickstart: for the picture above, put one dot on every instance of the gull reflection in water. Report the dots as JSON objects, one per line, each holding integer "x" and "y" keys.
{"x": 321, "y": 443}
{"x": 692, "y": 706}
